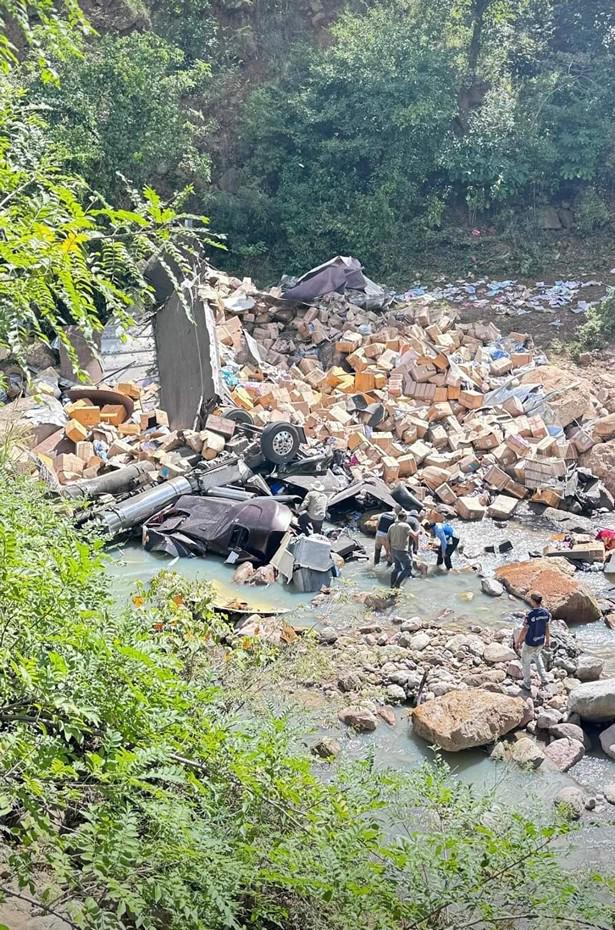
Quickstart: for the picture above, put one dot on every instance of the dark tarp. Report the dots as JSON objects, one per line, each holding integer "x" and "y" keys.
{"x": 335, "y": 276}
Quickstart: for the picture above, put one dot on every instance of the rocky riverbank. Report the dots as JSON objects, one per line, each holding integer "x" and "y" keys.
{"x": 462, "y": 690}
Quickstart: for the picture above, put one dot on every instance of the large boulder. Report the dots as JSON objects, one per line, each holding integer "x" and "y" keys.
{"x": 462, "y": 719}
{"x": 573, "y": 397}
{"x": 562, "y": 594}
{"x": 607, "y": 741}
{"x": 601, "y": 461}
{"x": 594, "y": 700}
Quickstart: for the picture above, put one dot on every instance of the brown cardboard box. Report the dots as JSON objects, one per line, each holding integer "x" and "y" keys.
{"x": 469, "y": 508}
{"x": 75, "y": 431}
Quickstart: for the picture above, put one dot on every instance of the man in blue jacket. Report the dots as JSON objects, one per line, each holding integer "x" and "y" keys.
{"x": 448, "y": 540}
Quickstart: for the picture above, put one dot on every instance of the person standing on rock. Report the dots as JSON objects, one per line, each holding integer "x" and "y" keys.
{"x": 448, "y": 540}
{"x": 313, "y": 510}
{"x": 385, "y": 522}
{"x": 401, "y": 536}
{"x": 532, "y": 638}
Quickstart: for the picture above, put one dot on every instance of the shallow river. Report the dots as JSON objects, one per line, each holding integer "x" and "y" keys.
{"x": 455, "y": 601}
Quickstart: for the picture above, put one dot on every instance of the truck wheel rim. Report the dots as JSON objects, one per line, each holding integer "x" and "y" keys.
{"x": 282, "y": 443}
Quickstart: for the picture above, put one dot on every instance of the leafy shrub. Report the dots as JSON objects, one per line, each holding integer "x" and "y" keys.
{"x": 598, "y": 331}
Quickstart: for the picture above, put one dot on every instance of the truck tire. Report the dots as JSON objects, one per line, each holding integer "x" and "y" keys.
{"x": 280, "y": 443}
{"x": 237, "y": 415}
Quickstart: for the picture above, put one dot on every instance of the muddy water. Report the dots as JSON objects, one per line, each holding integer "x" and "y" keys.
{"x": 453, "y": 600}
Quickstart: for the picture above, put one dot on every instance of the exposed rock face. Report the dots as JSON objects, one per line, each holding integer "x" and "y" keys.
{"x": 607, "y": 741}
{"x": 594, "y": 700}
{"x": 574, "y": 399}
{"x": 604, "y": 428}
{"x": 563, "y": 595}
{"x": 461, "y": 719}
{"x": 601, "y": 460}
{"x": 564, "y": 753}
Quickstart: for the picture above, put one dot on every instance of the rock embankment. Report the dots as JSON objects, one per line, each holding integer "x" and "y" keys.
{"x": 463, "y": 690}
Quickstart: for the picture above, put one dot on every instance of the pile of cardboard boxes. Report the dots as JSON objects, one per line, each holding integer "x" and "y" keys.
{"x": 403, "y": 391}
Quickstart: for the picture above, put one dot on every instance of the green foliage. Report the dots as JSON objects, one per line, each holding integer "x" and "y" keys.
{"x": 415, "y": 110}
{"x": 598, "y": 331}
{"x": 131, "y": 797}
{"x": 66, "y": 254}
{"x": 128, "y": 108}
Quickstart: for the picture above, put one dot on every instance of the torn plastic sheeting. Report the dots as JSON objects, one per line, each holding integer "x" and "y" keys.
{"x": 334, "y": 276}
{"x": 530, "y": 395}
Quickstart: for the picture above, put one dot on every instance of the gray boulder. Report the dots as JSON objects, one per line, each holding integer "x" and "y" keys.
{"x": 395, "y": 694}
{"x": 594, "y": 700}
{"x": 589, "y": 668}
{"x": 548, "y": 717}
{"x": 609, "y": 793}
{"x": 327, "y": 636}
{"x": 492, "y": 587}
{"x": 568, "y": 731}
{"x": 349, "y": 682}
{"x": 607, "y": 741}
{"x": 498, "y": 652}
{"x": 564, "y": 753}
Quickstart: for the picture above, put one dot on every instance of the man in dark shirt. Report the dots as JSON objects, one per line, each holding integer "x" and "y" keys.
{"x": 401, "y": 536}
{"x": 385, "y": 522}
{"x": 532, "y": 638}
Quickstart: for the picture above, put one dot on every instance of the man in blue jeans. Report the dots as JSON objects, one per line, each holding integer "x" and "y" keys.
{"x": 445, "y": 534}
{"x": 400, "y": 537}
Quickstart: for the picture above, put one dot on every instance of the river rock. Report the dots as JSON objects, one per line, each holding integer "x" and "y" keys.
{"x": 243, "y": 573}
{"x": 609, "y": 793}
{"x": 326, "y": 748}
{"x": 594, "y": 700}
{"x": 601, "y": 461}
{"x": 411, "y": 625}
{"x": 498, "y": 652}
{"x": 461, "y": 719}
{"x": 564, "y": 753}
{"x": 349, "y": 682}
{"x": 562, "y": 594}
{"x": 419, "y": 641}
{"x": 589, "y": 668}
{"x": 359, "y": 718}
{"x": 527, "y": 753}
{"x": 327, "y": 636}
{"x": 572, "y": 800}
{"x": 607, "y": 741}
{"x": 388, "y": 715}
{"x": 395, "y": 694}
{"x": 568, "y": 731}
{"x": 492, "y": 587}
{"x": 264, "y": 574}
{"x": 548, "y": 717}
{"x": 514, "y": 670}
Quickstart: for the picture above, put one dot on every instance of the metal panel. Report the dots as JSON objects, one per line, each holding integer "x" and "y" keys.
{"x": 188, "y": 363}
